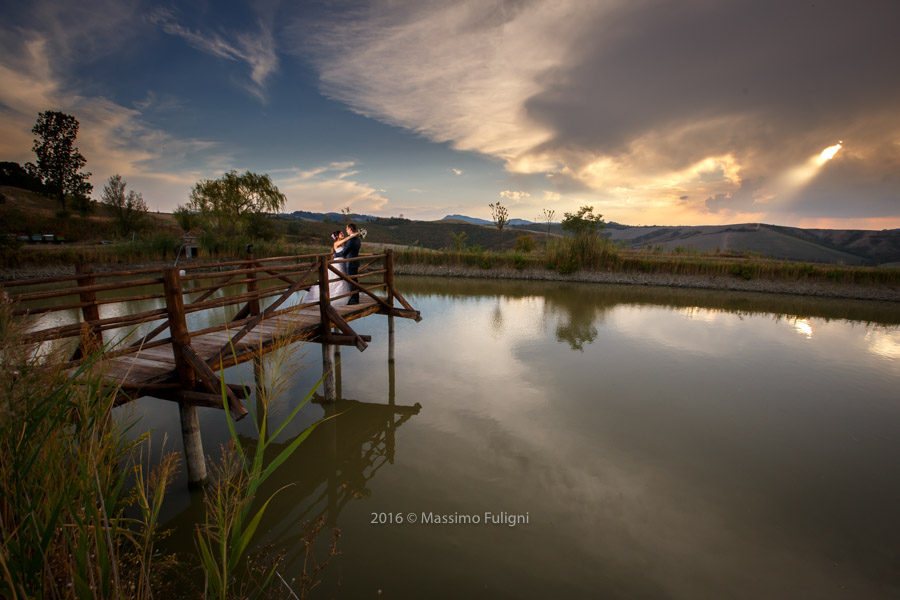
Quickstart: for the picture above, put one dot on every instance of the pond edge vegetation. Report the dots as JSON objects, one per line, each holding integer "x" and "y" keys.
{"x": 80, "y": 501}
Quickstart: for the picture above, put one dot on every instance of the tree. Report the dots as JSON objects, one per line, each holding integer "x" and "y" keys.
{"x": 186, "y": 218}
{"x": 524, "y": 243}
{"x": 500, "y": 216}
{"x": 548, "y": 218}
{"x": 129, "y": 210}
{"x": 346, "y": 212}
{"x": 227, "y": 203}
{"x": 459, "y": 240}
{"x": 13, "y": 174}
{"x": 83, "y": 204}
{"x": 59, "y": 162}
{"x": 584, "y": 222}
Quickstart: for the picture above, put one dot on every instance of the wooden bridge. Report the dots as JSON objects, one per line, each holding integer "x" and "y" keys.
{"x": 92, "y": 311}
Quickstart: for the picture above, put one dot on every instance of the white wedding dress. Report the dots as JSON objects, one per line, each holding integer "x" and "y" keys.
{"x": 336, "y": 287}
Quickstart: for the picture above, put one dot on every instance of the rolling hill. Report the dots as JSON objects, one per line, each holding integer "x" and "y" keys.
{"x": 850, "y": 247}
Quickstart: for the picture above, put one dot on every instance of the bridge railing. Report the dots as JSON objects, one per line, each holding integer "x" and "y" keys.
{"x": 241, "y": 285}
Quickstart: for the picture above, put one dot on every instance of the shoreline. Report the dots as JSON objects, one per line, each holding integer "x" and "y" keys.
{"x": 822, "y": 289}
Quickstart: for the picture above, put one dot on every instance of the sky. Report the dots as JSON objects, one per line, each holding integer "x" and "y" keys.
{"x": 653, "y": 112}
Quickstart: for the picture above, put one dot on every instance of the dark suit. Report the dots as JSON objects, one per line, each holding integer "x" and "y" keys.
{"x": 351, "y": 250}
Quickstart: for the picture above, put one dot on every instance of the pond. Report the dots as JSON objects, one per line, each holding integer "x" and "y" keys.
{"x": 539, "y": 440}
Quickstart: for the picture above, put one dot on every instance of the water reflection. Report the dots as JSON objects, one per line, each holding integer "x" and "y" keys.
{"x": 666, "y": 444}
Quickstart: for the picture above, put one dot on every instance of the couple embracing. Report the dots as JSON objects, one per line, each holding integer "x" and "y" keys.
{"x": 346, "y": 245}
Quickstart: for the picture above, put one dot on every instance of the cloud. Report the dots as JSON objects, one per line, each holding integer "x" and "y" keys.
{"x": 514, "y": 196}
{"x": 456, "y": 171}
{"x": 327, "y": 188}
{"x": 551, "y": 196}
{"x": 647, "y": 109}
{"x": 113, "y": 138}
{"x": 256, "y": 49}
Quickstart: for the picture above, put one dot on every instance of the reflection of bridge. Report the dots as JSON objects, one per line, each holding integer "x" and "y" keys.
{"x": 182, "y": 367}
{"x": 344, "y": 454}
{"x": 331, "y": 468}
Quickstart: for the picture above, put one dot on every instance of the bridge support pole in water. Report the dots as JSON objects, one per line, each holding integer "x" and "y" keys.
{"x": 390, "y": 338}
{"x": 328, "y": 371}
{"x": 193, "y": 445}
{"x": 190, "y": 423}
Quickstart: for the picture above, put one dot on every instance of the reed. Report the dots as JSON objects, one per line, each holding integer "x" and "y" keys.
{"x": 567, "y": 255}
{"x": 233, "y": 511}
{"x": 80, "y": 503}
{"x": 63, "y": 484}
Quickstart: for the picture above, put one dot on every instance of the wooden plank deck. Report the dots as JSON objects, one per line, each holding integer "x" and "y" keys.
{"x": 153, "y": 366}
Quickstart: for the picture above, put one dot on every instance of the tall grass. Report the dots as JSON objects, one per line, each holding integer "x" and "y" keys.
{"x": 233, "y": 511}
{"x": 570, "y": 254}
{"x": 80, "y": 504}
{"x": 63, "y": 495}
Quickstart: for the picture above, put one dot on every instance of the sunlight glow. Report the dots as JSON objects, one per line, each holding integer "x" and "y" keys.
{"x": 829, "y": 152}
{"x": 802, "y": 174}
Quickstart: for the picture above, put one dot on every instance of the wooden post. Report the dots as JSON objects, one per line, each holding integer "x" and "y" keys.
{"x": 391, "y": 339}
{"x": 337, "y": 368}
{"x": 193, "y": 445}
{"x": 327, "y": 349}
{"x": 91, "y": 336}
{"x": 392, "y": 400}
{"x": 178, "y": 327}
{"x": 190, "y": 422}
{"x": 389, "y": 280}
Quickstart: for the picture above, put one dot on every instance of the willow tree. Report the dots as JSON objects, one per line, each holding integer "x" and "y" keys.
{"x": 229, "y": 204}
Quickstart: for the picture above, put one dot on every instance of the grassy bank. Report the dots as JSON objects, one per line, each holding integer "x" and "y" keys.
{"x": 563, "y": 256}
{"x": 568, "y": 255}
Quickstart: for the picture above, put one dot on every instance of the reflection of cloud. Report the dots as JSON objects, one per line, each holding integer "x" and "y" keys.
{"x": 803, "y": 327}
{"x": 884, "y": 343}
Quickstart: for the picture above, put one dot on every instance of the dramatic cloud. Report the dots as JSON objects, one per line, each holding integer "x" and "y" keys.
{"x": 645, "y": 107}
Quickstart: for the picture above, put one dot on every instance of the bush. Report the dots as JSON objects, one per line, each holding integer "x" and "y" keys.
{"x": 525, "y": 243}
{"x": 519, "y": 261}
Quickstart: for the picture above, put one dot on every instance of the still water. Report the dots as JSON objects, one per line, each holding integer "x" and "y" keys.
{"x": 573, "y": 440}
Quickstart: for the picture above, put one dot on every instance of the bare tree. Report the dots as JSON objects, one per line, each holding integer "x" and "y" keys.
{"x": 548, "y": 218}
{"x": 129, "y": 210}
{"x": 500, "y": 216}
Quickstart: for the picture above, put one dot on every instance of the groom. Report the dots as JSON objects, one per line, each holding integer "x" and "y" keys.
{"x": 351, "y": 250}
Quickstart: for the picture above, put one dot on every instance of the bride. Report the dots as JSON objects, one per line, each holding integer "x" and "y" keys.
{"x": 336, "y": 285}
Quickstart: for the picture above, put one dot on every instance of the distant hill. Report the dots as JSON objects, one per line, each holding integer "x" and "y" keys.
{"x": 334, "y": 217}
{"x": 476, "y": 221}
{"x": 22, "y": 211}
{"x": 850, "y": 247}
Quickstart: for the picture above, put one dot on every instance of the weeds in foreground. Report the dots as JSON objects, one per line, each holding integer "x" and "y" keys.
{"x": 80, "y": 505}
{"x": 232, "y": 512}
{"x": 63, "y": 494}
